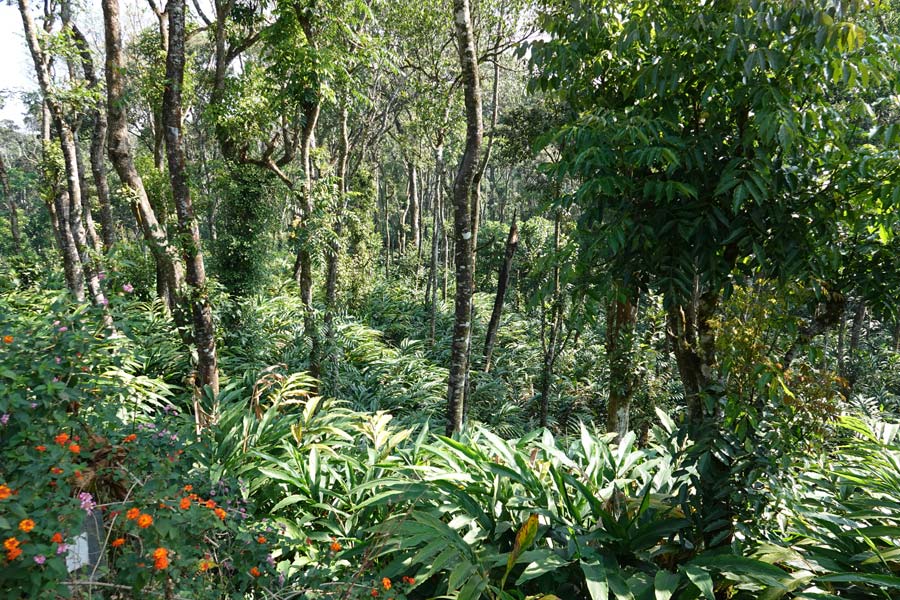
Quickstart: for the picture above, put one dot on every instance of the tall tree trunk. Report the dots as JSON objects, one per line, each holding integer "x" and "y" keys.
{"x": 188, "y": 229}
{"x": 621, "y": 318}
{"x": 334, "y": 254}
{"x": 98, "y": 171}
{"x": 122, "y": 158}
{"x": 98, "y": 141}
{"x": 549, "y": 346}
{"x": 11, "y": 206}
{"x": 90, "y": 228}
{"x": 414, "y": 205}
{"x": 465, "y": 204}
{"x": 436, "y": 234}
{"x": 512, "y": 241}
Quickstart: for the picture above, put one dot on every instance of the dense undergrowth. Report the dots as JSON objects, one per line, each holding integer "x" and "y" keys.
{"x": 353, "y": 494}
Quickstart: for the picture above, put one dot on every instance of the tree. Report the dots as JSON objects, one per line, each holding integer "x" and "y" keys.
{"x": 465, "y": 207}
{"x": 188, "y": 229}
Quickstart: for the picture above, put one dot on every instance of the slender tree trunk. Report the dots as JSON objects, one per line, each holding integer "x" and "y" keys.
{"x": 98, "y": 140}
{"x": 851, "y": 375}
{"x": 465, "y": 217}
{"x": 98, "y": 171}
{"x": 437, "y": 229}
{"x": 512, "y": 241}
{"x": 90, "y": 228}
{"x": 188, "y": 229}
{"x": 11, "y": 206}
{"x": 621, "y": 318}
{"x": 122, "y": 158}
{"x": 414, "y": 205}
{"x": 303, "y": 263}
{"x": 334, "y": 254}
{"x": 549, "y": 345}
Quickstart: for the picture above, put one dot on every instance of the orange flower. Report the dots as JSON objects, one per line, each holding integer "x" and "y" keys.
{"x": 13, "y": 554}
{"x": 185, "y": 503}
{"x": 255, "y": 572}
{"x": 144, "y": 521}
{"x": 261, "y": 539}
{"x": 205, "y": 565}
{"x": 188, "y": 488}
{"x": 129, "y": 438}
{"x": 210, "y": 504}
{"x": 220, "y": 513}
{"x": 40, "y": 448}
{"x": 57, "y": 538}
{"x": 386, "y": 583}
{"x": 374, "y": 593}
{"x": 133, "y": 513}
{"x": 7, "y": 339}
{"x": 10, "y": 543}
{"x": 408, "y": 580}
{"x": 117, "y": 542}
{"x": 335, "y": 546}
{"x": 5, "y": 492}
{"x": 26, "y": 525}
{"x": 160, "y": 558}
{"x": 62, "y": 439}
{"x": 74, "y": 448}
{"x": 56, "y": 470}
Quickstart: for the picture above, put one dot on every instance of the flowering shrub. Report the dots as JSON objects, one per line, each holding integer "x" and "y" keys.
{"x": 70, "y": 448}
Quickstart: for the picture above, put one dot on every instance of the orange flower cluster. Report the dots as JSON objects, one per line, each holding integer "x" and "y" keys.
{"x": 255, "y": 572}
{"x": 386, "y": 583}
{"x": 118, "y": 542}
{"x": 56, "y": 470}
{"x": 129, "y": 438}
{"x": 62, "y": 439}
{"x": 335, "y": 545}
{"x": 185, "y": 503}
{"x": 261, "y": 539}
{"x": 160, "y": 558}
{"x": 5, "y": 491}
{"x": 408, "y": 580}
{"x": 12, "y": 548}
{"x": 7, "y": 339}
{"x": 144, "y": 521}
{"x": 74, "y": 448}
{"x": 41, "y": 448}
{"x": 132, "y": 513}
{"x": 57, "y": 538}
{"x": 26, "y": 525}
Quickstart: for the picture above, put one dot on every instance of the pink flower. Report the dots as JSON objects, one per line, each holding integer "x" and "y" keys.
{"x": 127, "y": 288}
{"x": 61, "y": 549}
{"x": 40, "y": 559}
{"x": 63, "y": 329}
{"x": 103, "y": 301}
{"x": 87, "y": 501}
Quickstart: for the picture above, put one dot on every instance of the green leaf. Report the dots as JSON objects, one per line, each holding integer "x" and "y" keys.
{"x": 701, "y": 579}
{"x": 595, "y": 578}
{"x": 665, "y": 584}
{"x": 524, "y": 539}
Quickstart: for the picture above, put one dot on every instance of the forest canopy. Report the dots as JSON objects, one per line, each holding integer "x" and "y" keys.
{"x": 501, "y": 300}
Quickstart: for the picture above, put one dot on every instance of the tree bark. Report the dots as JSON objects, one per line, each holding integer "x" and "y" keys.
{"x": 122, "y": 158}
{"x": 549, "y": 346}
{"x": 852, "y": 372}
{"x": 621, "y": 318}
{"x": 512, "y": 241}
{"x": 98, "y": 141}
{"x": 436, "y": 234}
{"x": 414, "y": 205}
{"x": 465, "y": 203}
{"x": 188, "y": 229}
